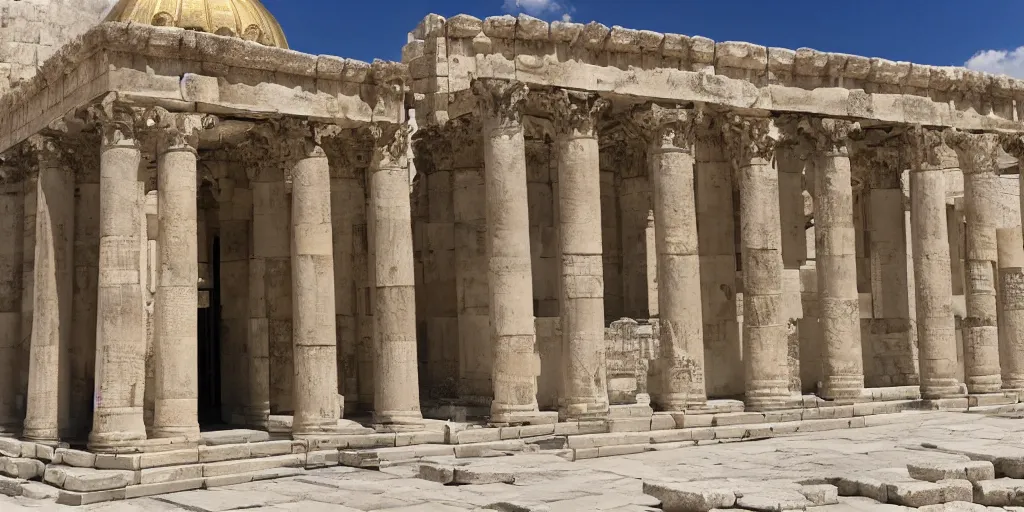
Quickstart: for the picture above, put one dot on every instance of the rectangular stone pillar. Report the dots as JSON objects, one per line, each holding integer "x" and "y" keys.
{"x": 235, "y": 224}
{"x": 120, "y": 327}
{"x": 634, "y": 205}
{"x": 794, "y": 253}
{"x": 49, "y": 392}
{"x": 611, "y": 237}
{"x": 441, "y": 307}
{"x": 12, "y": 225}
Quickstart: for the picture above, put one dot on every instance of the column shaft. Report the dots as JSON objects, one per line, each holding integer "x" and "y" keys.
{"x": 475, "y": 350}
{"x": 177, "y": 297}
{"x": 83, "y": 342}
{"x": 516, "y": 361}
{"x": 396, "y": 375}
{"x": 934, "y": 293}
{"x": 764, "y": 334}
{"x": 679, "y": 288}
{"x": 49, "y": 388}
{"x": 839, "y": 304}
{"x": 1011, "y": 292}
{"x": 315, "y": 330}
{"x": 980, "y": 333}
{"x": 584, "y": 389}
{"x": 120, "y": 326}
{"x": 345, "y": 205}
{"x": 12, "y": 225}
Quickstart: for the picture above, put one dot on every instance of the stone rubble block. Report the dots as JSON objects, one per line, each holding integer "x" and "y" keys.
{"x": 919, "y": 493}
{"x": 19, "y": 467}
{"x": 359, "y": 459}
{"x": 956, "y": 490}
{"x": 10, "y": 447}
{"x": 76, "y": 458}
{"x": 10, "y": 486}
{"x": 38, "y": 491}
{"x": 442, "y": 474}
{"x": 87, "y": 480}
{"x": 820, "y": 494}
{"x": 999, "y": 493}
{"x": 972, "y": 471}
{"x": 322, "y": 459}
{"x": 773, "y": 501}
{"x": 862, "y": 485}
{"x": 691, "y": 496}
{"x": 473, "y": 476}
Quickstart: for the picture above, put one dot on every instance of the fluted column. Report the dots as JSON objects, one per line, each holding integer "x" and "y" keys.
{"x": 175, "y": 354}
{"x": 516, "y": 361}
{"x": 584, "y": 387}
{"x": 838, "y": 300}
{"x": 48, "y": 400}
{"x": 12, "y": 225}
{"x": 121, "y": 322}
{"x": 314, "y": 328}
{"x": 1011, "y": 320}
{"x": 933, "y": 283}
{"x": 751, "y": 147}
{"x": 978, "y": 155}
{"x": 680, "y": 362}
{"x": 397, "y": 397}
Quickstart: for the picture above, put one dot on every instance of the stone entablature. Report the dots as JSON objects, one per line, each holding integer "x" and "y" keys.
{"x": 445, "y": 54}
{"x": 188, "y": 71}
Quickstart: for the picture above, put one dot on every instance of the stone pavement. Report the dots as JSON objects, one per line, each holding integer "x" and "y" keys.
{"x": 545, "y": 481}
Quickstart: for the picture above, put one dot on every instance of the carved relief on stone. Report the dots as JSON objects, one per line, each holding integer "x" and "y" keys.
{"x": 164, "y": 130}
{"x": 348, "y": 151}
{"x": 812, "y": 136}
{"x": 977, "y": 152}
{"x": 878, "y": 165}
{"x": 1013, "y": 144}
{"x": 501, "y": 99}
{"x": 747, "y": 138}
{"x": 574, "y": 114}
{"x": 116, "y": 122}
{"x": 668, "y": 127}
{"x": 390, "y": 145}
{"x": 923, "y": 147}
{"x": 434, "y": 149}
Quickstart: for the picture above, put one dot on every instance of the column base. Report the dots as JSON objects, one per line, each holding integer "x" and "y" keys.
{"x": 115, "y": 441}
{"x": 399, "y": 417}
{"x": 941, "y": 388}
{"x": 41, "y": 435}
{"x": 189, "y": 433}
{"x": 845, "y": 391}
{"x": 679, "y": 402}
{"x": 984, "y": 384}
{"x": 770, "y": 403}
{"x": 525, "y": 418}
{"x": 582, "y": 410}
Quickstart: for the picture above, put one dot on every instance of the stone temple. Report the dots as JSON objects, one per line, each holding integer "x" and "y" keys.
{"x": 216, "y": 254}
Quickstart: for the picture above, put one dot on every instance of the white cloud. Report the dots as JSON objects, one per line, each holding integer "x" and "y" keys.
{"x": 541, "y": 8}
{"x": 1000, "y": 62}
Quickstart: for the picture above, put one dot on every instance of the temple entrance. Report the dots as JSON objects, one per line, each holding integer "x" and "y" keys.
{"x": 209, "y": 345}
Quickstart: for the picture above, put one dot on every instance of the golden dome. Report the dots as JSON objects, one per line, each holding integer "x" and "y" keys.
{"x": 246, "y": 19}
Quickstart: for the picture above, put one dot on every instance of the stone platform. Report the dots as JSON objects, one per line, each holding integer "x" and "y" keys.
{"x": 231, "y": 457}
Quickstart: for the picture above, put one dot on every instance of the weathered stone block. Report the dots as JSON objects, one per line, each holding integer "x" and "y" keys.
{"x": 77, "y": 499}
{"x": 170, "y": 474}
{"x": 223, "y": 452}
{"x": 120, "y": 461}
{"x": 76, "y": 458}
{"x": 139, "y": 491}
{"x": 821, "y": 494}
{"x": 690, "y": 497}
{"x": 170, "y": 458}
{"x": 437, "y": 473}
{"x": 773, "y": 501}
{"x": 914, "y": 493}
{"x": 248, "y": 466}
{"x": 270, "y": 448}
{"x": 471, "y": 476}
{"x": 87, "y": 480}
{"x": 863, "y": 486}
{"x": 933, "y": 472}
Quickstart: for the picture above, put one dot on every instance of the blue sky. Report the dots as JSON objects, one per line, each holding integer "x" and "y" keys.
{"x": 938, "y": 32}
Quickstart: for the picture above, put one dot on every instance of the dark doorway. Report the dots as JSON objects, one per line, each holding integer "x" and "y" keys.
{"x": 209, "y": 345}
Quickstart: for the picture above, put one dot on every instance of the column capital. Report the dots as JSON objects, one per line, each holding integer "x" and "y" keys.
{"x": 814, "y": 135}
{"x": 668, "y": 127}
{"x": 977, "y": 152}
{"x": 622, "y": 151}
{"x": 1013, "y": 143}
{"x": 747, "y": 138}
{"x": 116, "y": 122}
{"x": 574, "y": 114}
{"x": 171, "y": 131}
{"x": 390, "y": 146}
{"x": 923, "y": 147}
{"x": 878, "y": 166}
{"x": 501, "y": 99}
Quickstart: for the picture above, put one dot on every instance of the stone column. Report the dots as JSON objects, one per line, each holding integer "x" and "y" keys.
{"x": 121, "y": 322}
{"x": 584, "y": 387}
{"x": 978, "y": 155}
{"x": 516, "y": 362}
{"x": 838, "y": 300}
{"x": 751, "y": 148}
{"x": 681, "y": 359}
{"x": 1011, "y": 292}
{"x": 12, "y": 225}
{"x": 933, "y": 284}
{"x": 715, "y": 207}
{"x": 268, "y": 234}
{"x": 347, "y": 202}
{"x": 397, "y": 397}
{"x": 175, "y": 351}
{"x": 468, "y": 201}
{"x": 314, "y": 330}
{"x": 87, "y": 241}
{"x": 48, "y": 400}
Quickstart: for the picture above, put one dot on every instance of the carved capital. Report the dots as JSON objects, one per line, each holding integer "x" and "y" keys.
{"x": 116, "y": 122}
{"x": 977, "y": 152}
{"x": 878, "y": 166}
{"x": 501, "y": 100}
{"x": 811, "y": 136}
{"x": 390, "y": 146}
{"x": 173, "y": 131}
{"x": 434, "y": 149}
{"x": 747, "y": 138}
{"x": 668, "y": 127}
{"x": 574, "y": 114}
{"x": 923, "y": 147}
{"x": 1013, "y": 144}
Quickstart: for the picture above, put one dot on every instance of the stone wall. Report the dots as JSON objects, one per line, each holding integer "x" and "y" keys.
{"x": 32, "y": 30}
